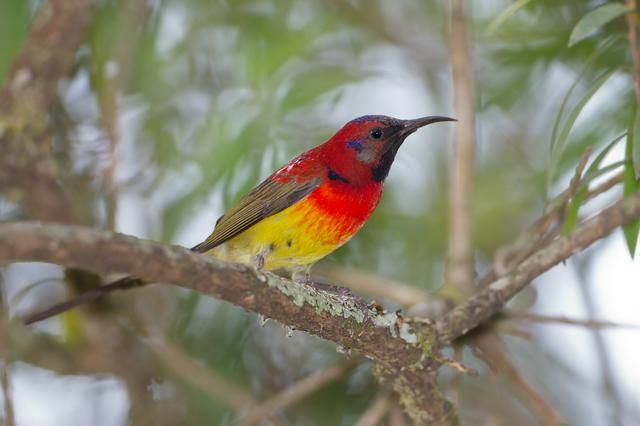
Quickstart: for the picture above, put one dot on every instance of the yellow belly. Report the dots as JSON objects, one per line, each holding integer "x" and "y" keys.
{"x": 297, "y": 236}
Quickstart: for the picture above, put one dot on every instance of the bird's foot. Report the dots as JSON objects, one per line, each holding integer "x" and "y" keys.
{"x": 258, "y": 267}
{"x": 301, "y": 276}
{"x": 258, "y": 261}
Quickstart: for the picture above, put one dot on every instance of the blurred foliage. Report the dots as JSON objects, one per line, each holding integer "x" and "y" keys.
{"x": 14, "y": 24}
{"x": 190, "y": 104}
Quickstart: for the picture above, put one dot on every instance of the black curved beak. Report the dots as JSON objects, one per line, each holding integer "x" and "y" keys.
{"x": 410, "y": 126}
{"x": 395, "y": 136}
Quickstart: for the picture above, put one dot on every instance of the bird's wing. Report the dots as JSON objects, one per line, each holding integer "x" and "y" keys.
{"x": 263, "y": 201}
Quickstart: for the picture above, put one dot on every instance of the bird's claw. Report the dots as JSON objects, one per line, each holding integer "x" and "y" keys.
{"x": 258, "y": 268}
{"x": 301, "y": 277}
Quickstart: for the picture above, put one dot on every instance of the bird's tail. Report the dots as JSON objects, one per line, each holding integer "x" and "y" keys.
{"x": 86, "y": 297}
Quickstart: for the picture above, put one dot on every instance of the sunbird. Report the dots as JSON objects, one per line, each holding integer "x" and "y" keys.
{"x": 306, "y": 209}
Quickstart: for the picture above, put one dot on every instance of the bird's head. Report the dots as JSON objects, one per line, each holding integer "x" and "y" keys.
{"x": 365, "y": 147}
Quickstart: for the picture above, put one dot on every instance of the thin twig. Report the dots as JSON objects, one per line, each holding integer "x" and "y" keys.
{"x": 493, "y": 352}
{"x": 125, "y": 46}
{"x": 574, "y": 184}
{"x": 604, "y": 360}
{"x": 459, "y": 269}
{"x": 8, "y": 418}
{"x": 553, "y": 319}
{"x": 488, "y": 301}
{"x": 181, "y": 364}
{"x": 545, "y": 228}
{"x": 5, "y": 358}
{"x": 502, "y": 328}
{"x": 297, "y": 392}
{"x": 540, "y": 233}
{"x": 633, "y": 46}
{"x": 456, "y": 380}
{"x": 397, "y": 417}
{"x": 375, "y": 413}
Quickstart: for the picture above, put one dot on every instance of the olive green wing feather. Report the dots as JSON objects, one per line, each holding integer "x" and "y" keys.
{"x": 263, "y": 201}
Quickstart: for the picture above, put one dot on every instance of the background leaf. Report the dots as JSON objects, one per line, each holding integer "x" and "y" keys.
{"x": 593, "y": 171}
{"x": 559, "y": 144}
{"x": 507, "y": 13}
{"x": 631, "y": 185}
{"x": 594, "y": 20}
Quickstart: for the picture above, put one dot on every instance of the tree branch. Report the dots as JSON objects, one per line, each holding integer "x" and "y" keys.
{"x": 342, "y": 318}
{"x": 296, "y": 392}
{"x": 376, "y": 411}
{"x": 406, "y": 358}
{"x": 485, "y": 303}
{"x": 552, "y": 319}
{"x": 198, "y": 375}
{"x": 492, "y": 351}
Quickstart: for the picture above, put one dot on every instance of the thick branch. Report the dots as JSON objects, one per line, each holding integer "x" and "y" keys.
{"x": 404, "y": 356}
{"x": 490, "y": 300}
{"x": 341, "y": 318}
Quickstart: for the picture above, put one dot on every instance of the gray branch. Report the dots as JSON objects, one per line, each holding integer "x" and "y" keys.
{"x": 407, "y": 359}
{"x": 490, "y": 300}
{"x": 340, "y": 317}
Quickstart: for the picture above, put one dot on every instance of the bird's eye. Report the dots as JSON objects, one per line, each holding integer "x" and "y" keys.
{"x": 376, "y": 133}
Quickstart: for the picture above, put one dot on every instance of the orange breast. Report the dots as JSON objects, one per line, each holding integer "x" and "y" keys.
{"x": 305, "y": 232}
{"x": 335, "y": 213}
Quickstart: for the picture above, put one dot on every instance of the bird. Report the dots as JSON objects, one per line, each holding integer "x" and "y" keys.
{"x": 306, "y": 209}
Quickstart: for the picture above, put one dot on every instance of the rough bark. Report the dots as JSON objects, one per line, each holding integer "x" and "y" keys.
{"x": 340, "y": 317}
{"x": 490, "y": 300}
{"x": 407, "y": 358}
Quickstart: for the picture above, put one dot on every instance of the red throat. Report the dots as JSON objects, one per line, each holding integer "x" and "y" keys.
{"x": 347, "y": 208}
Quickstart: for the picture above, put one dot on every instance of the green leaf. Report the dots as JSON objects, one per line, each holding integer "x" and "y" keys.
{"x": 591, "y": 60}
{"x": 592, "y": 21}
{"x": 636, "y": 145}
{"x": 595, "y": 165}
{"x": 310, "y": 85}
{"x": 592, "y": 172}
{"x": 506, "y": 14}
{"x": 630, "y": 186}
{"x": 571, "y": 215}
{"x": 559, "y": 144}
